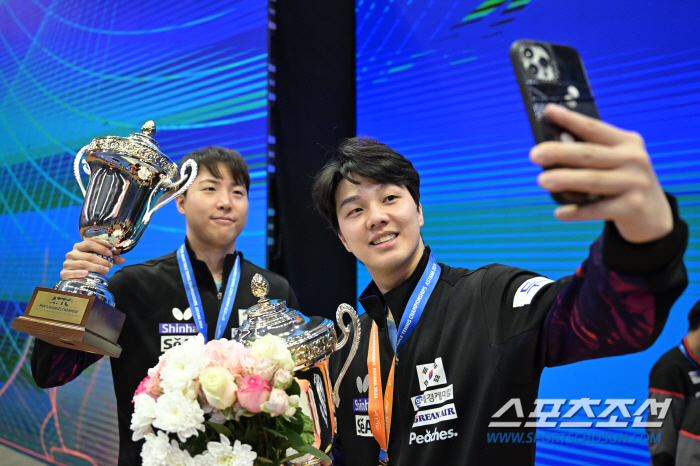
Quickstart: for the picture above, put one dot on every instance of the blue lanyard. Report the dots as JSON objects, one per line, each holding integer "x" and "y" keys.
{"x": 416, "y": 304}
{"x": 689, "y": 357}
{"x": 196, "y": 302}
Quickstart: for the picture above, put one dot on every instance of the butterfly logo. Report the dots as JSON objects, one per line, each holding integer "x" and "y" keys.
{"x": 179, "y": 315}
{"x": 362, "y": 386}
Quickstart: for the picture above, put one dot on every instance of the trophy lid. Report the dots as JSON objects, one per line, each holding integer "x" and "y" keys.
{"x": 310, "y": 339}
{"x": 139, "y": 146}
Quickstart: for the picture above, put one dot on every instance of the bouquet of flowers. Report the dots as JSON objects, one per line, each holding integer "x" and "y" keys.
{"x": 221, "y": 403}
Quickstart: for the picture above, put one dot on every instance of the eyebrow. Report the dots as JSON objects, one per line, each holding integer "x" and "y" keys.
{"x": 218, "y": 181}
{"x": 350, "y": 199}
{"x": 210, "y": 180}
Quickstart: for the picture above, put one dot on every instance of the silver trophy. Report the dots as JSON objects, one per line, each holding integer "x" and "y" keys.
{"x": 130, "y": 179}
{"x": 311, "y": 340}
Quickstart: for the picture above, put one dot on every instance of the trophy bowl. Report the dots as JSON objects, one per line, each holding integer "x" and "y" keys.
{"x": 130, "y": 179}
{"x": 311, "y": 340}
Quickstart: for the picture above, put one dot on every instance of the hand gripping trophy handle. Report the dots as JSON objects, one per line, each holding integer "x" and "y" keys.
{"x": 346, "y": 309}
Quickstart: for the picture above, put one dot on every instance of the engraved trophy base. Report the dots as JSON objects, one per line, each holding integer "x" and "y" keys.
{"x": 72, "y": 320}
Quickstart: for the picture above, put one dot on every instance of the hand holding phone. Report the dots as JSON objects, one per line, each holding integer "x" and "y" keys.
{"x": 612, "y": 163}
{"x": 550, "y": 73}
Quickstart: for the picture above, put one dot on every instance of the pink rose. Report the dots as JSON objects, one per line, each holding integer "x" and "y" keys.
{"x": 230, "y": 355}
{"x": 252, "y": 392}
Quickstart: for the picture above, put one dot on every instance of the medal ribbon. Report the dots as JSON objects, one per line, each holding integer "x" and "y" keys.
{"x": 686, "y": 352}
{"x": 380, "y": 407}
{"x": 195, "y": 300}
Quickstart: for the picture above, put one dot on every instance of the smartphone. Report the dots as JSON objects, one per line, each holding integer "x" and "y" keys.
{"x": 551, "y": 73}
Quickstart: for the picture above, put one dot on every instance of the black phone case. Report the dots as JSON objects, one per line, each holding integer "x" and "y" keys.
{"x": 551, "y": 73}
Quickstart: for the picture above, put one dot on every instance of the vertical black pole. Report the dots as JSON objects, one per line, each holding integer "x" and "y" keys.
{"x": 312, "y": 108}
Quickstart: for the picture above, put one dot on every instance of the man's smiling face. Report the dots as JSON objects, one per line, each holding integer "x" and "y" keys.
{"x": 216, "y": 209}
{"x": 380, "y": 224}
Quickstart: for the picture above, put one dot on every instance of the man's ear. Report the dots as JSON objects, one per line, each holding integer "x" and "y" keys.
{"x": 345, "y": 243}
{"x": 180, "y": 203}
{"x": 420, "y": 214}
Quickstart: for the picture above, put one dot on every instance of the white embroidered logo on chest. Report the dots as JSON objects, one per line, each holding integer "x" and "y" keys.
{"x": 179, "y": 315}
{"x": 528, "y": 290}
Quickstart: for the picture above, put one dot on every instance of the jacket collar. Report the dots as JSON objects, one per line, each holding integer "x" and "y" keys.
{"x": 200, "y": 267}
{"x": 397, "y": 298}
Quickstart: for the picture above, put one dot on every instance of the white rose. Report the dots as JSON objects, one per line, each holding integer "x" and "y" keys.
{"x": 273, "y": 347}
{"x": 218, "y": 386}
{"x": 294, "y": 400}
{"x": 277, "y": 404}
{"x": 265, "y": 367}
{"x": 283, "y": 379}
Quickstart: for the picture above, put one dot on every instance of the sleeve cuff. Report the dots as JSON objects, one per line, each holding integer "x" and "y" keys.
{"x": 627, "y": 258}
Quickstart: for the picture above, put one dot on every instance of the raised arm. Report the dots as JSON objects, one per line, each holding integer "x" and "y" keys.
{"x": 52, "y": 365}
{"x": 618, "y": 300}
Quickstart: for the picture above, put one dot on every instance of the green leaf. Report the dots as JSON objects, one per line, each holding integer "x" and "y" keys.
{"x": 294, "y": 439}
{"x": 220, "y": 428}
{"x": 296, "y": 422}
{"x": 294, "y": 389}
{"x": 290, "y": 458}
{"x": 264, "y": 460}
{"x": 313, "y": 451}
{"x": 275, "y": 433}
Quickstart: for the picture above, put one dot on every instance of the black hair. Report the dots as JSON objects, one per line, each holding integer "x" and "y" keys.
{"x": 212, "y": 157}
{"x": 367, "y": 158}
{"x": 694, "y": 317}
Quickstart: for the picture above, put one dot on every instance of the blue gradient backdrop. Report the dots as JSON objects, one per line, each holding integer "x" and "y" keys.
{"x": 71, "y": 71}
{"x": 434, "y": 82}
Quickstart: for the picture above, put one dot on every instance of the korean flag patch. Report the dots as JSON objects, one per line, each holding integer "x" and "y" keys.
{"x": 432, "y": 374}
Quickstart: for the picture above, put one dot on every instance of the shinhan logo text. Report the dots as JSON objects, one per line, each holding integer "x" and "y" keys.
{"x": 176, "y": 328}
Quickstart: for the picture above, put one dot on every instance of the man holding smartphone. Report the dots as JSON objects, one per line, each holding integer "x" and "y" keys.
{"x": 444, "y": 351}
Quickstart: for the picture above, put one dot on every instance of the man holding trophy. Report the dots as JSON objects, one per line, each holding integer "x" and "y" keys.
{"x": 443, "y": 349}
{"x": 172, "y": 298}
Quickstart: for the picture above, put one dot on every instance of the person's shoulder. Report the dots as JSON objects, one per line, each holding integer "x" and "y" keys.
{"x": 674, "y": 357}
{"x": 669, "y": 369}
{"x": 453, "y": 275}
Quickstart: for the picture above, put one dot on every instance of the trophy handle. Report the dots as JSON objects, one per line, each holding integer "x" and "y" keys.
{"x": 165, "y": 184}
{"x": 346, "y": 309}
{"x": 76, "y": 168}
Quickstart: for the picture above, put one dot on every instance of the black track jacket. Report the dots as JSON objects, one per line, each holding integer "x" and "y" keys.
{"x": 153, "y": 298}
{"x": 485, "y": 337}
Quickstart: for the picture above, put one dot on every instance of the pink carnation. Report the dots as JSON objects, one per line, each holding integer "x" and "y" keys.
{"x": 252, "y": 392}
{"x": 147, "y": 386}
{"x": 230, "y": 355}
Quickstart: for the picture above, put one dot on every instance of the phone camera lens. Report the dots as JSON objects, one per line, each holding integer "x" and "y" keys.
{"x": 544, "y": 62}
{"x": 528, "y": 53}
{"x": 533, "y": 69}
